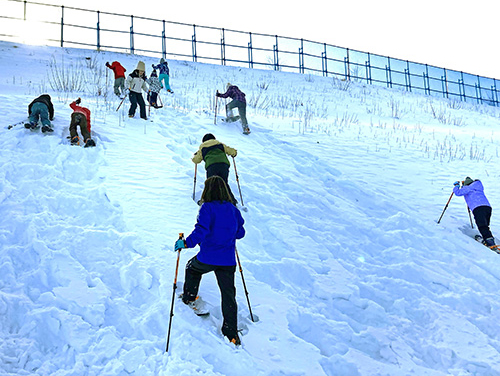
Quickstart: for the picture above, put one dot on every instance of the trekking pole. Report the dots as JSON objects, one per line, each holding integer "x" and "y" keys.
{"x": 121, "y": 102}
{"x": 445, "y": 207}
{"x": 159, "y": 98}
{"x": 216, "y": 103}
{"x": 470, "y": 217}
{"x": 16, "y": 124}
{"x": 181, "y": 236}
{"x": 238, "y": 181}
{"x": 194, "y": 184}
{"x": 244, "y": 284}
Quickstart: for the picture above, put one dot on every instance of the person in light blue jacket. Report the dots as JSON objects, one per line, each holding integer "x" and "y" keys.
{"x": 473, "y": 192}
{"x": 218, "y": 226}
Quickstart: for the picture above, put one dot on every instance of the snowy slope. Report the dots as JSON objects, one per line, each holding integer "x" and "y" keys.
{"x": 347, "y": 270}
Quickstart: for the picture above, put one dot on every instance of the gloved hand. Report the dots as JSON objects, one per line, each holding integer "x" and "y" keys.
{"x": 153, "y": 65}
{"x": 107, "y": 64}
{"x": 456, "y": 184}
{"x": 180, "y": 244}
{"x": 78, "y": 101}
{"x": 217, "y": 94}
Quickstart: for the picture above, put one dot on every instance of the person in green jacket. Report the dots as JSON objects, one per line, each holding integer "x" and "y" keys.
{"x": 214, "y": 154}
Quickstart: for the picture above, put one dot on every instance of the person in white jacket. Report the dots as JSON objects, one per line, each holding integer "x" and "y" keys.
{"x": 136, "y": 82}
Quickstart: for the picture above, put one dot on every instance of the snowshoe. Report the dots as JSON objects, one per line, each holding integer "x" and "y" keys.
{"x": 198, "y": 306}
{"x": 246, "y": 130}
{"x": 231, "y": 335}
{"x": 28, "y": 125}
{"x": 47, "y": 129}
{"x": 75, "y": 141}
{"x": 89, "y": 143}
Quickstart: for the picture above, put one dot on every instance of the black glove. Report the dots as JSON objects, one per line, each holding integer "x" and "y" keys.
{"x": 153, "y": 65}
{"x": 107, "y": 64}
{"x": 78, "y": 101}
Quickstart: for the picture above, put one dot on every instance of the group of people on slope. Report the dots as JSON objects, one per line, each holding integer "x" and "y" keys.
{"x": 137, "y": 82}
{"x": 41, "y": 110}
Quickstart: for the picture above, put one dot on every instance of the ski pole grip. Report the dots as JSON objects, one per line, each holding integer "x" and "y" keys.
{"x": 181, "y": 235}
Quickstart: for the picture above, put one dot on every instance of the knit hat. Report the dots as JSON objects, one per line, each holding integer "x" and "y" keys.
{"x": 162, "y": 60}
{"x": 153, "y": 73}
{"x": 228, "y": 84}
{"x": 468, "y": 181}
{"x": 141, "y": 66}
{"x": 208, "y": 136}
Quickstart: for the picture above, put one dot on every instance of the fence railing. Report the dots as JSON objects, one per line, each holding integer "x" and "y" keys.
{"x": 25, "y": 21}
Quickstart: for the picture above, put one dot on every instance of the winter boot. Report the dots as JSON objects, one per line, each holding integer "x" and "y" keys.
{"x": 75, "y": 141}
{"x": 46, "y": 129}
{"x": 490, "y": 242}
{"x": 232, "y": 335}
{"x": 89, "y": 143}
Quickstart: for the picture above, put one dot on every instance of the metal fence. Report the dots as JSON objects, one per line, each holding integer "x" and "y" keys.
{"x": 74, "y": 27}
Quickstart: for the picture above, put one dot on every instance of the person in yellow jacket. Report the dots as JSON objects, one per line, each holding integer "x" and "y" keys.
{"x": 214, "y": 154}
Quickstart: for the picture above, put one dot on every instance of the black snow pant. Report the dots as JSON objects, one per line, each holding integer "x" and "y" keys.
{"x": 137, "y": 99}
{"x": 225, "y": 279}
{"x": 482, "y": 215}
{"x": 222, "y": 170}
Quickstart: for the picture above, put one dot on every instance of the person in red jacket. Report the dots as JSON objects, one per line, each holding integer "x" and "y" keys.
{"x": 119, "y": 72}
{"x": 81, "y": 117}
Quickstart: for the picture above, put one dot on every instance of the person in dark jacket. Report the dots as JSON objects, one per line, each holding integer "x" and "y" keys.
{"x": 80, "y": 117}
{"x": 473, "y": 192}
{"x": 41, "y": 109}
{"x": 218, "y": 226}
{"x": 136, "y": 83}
{"x": 119, "y": 71}
{"x": 238, "y": 101}
{"x": 214, "y": 154}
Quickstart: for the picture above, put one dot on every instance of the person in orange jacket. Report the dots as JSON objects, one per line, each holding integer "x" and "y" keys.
{"x": 119, "y": 72}
{"x": 81, "y": 117}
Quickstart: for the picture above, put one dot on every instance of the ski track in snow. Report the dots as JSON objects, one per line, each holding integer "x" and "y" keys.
{"x": 347, "y": 271}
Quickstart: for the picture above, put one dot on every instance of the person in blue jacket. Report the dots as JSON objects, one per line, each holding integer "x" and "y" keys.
{"x": 218, "y": 226}
{"x": 473, "y": 192}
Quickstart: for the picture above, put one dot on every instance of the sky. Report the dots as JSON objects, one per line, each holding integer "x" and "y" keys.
{"x": 450, "y": 34}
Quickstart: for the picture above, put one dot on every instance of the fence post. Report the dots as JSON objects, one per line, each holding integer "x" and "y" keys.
{"x": 98, "y": 30}
{"x": 407, "y": 71}
{"x": 193, "y": 42}
{"x": 276, "y": 57}
{"x": 163, "y": 42}
{"x": 479, "y": 95}
{"x": 62, "y": 25}
{"x": 388, "y": 72}
{"x": 445, "y": 77}
{"x": 250, "y": 52}
{"x": 301, "y": 56}
{"x": 25, "y": 9}
{"x": 324, "y": 62}
{"x": 494, "y": 92}
{"x": 368, "y": 69}
{"x": 347, "y": 68}
{"x": 462, "y": 91}
{"x": 132, "y": 34}
{"x": 223, "y": 48}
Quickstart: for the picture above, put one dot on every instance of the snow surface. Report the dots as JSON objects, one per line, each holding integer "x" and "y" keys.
{"x": 347, "y": 270}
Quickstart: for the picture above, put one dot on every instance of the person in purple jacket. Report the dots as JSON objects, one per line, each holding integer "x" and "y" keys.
{"x": 218, "y": 225}
{"x": 473, "y": 192}
{"x": 238, "y": 101}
